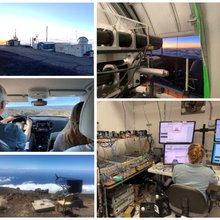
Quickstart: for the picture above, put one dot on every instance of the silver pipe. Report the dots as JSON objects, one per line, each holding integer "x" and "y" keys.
{"x": 155, "y": 72}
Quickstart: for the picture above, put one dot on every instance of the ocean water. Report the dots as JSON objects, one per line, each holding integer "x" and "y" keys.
{"x": 33, "y": 179}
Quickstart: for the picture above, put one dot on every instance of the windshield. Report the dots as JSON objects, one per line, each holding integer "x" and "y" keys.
{"x": 56, "y": 106}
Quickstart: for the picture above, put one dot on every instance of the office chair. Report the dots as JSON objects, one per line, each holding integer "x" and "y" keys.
{"x": 67, "y": 202}
{"x": 190, "y": 202}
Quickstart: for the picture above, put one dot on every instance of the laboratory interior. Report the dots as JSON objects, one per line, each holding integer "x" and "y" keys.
{"x": 158, "y": 159}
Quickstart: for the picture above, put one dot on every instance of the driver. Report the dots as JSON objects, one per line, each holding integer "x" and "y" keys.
{"x": 10, "y": 133}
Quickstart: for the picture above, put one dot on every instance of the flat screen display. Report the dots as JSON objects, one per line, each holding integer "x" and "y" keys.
{"x": 216, "y": 154}
{"x": 176, "y": 132}
{"x": 176, "y": 153}
{"x": 217, "y": 131}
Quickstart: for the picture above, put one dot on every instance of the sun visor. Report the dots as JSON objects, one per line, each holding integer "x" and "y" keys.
{"x": 17, "y": 98}
{"x": 63, "y": 93}
{"x": 38, "y": 93}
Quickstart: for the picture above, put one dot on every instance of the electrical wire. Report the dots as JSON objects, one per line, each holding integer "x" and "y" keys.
{"x": 144, "y": 108}
{"x": 164, "y": 111}
{"x": 124, "y": 115}
{"x": 127, "y": 69}
{"x": 144, "y": 52}
{"x": 125, "y": 126}
{"x": 171, "y": 107}
{"x": 128, "y": 143}
{"x": 134, "y": 116}
{"x": 117, "y": 71}
{"x": 211, "y": 108}
{"x": 159, "y": 110}
{"x": 118, "y": 82}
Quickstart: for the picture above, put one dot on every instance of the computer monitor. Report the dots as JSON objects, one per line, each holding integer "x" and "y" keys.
{"x": 217, "y": 131}
{"x": 216, "y": 154}
{"x": 176, "y": 132}
{"x": 175, "y": 153}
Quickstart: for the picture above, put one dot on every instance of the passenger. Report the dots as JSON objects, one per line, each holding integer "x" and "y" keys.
{"x": 70, "y": 136}
{"x": 194, "y": 174}
{"x": 10, "y": 133}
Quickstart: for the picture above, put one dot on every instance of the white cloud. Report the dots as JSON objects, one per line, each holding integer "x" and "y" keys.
{"x": 88, "y": 189}
{"x": 51, "y": 99}
{"x": 28, "y": 169}
{"x": 5, "y": 179}
{"x": 53, "y": 188}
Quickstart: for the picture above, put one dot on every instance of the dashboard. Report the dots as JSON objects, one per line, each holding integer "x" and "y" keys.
{"x": 43, "y": 130}
{"x": 48, "y": 124}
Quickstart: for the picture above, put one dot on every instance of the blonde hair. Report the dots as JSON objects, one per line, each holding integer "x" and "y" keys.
{"x": 72, "y": 136}
{"x": 196, "y": 153}
{"x": 3, "y": 94}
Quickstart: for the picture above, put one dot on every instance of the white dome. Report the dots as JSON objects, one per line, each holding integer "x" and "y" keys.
{"x": 82, "y": 40}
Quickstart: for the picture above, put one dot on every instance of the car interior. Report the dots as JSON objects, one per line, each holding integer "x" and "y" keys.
{"x": 48, "y": 103}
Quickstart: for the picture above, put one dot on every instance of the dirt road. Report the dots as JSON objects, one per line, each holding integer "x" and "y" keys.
{"x": 15, "y": 61}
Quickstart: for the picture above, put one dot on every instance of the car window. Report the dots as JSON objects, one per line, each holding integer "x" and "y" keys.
{"x": 56, "y": 106}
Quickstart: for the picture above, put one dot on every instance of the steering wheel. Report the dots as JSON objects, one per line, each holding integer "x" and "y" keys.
{"x": 20, "y": 121}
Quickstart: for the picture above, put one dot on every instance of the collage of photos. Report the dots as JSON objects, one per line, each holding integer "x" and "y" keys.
{"x": 109, "y": 109}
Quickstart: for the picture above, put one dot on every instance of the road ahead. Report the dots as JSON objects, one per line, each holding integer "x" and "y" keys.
{"x": 19, "y": 60}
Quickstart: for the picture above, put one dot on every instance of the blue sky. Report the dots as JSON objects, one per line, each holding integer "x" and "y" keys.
{"x": 63, "y": 21}
{"x": 47, "y": 162}
{"x": 51, "y": 101}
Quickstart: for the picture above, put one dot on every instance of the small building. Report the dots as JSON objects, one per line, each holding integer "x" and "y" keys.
{"x": 60, "y": 47}
{"x": 13, "y": 42}
{"x": 46, "y": 46}
{"x": 78, "y": 49}
{"x": 35, "y": 46}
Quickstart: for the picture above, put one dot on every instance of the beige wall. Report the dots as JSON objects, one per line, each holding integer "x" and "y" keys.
{"x": 110, "y": 116}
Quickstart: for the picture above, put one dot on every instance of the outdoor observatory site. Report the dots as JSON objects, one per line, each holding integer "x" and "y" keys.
{"x": 35, "y": 186}
{"x": 46, "y": 39}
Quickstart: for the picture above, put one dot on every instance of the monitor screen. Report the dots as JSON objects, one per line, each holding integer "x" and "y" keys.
{"x": 216, "y": 154}
{"x": 175, "y": 153}
{"x": 217, "y": 130}
{"x": 176, "y": 132}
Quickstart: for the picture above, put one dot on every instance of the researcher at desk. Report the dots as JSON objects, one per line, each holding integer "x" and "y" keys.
{"x": 194, "y": 174}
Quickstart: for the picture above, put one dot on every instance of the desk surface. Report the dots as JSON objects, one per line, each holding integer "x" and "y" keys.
{"x": 166, "y": 170}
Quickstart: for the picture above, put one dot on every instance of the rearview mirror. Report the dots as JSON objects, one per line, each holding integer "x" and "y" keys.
{"x": 39, "y": 103}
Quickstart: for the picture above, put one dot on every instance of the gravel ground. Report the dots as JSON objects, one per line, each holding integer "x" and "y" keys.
{"x": 25, "y": 61}
{"x": 17, "y": 203}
